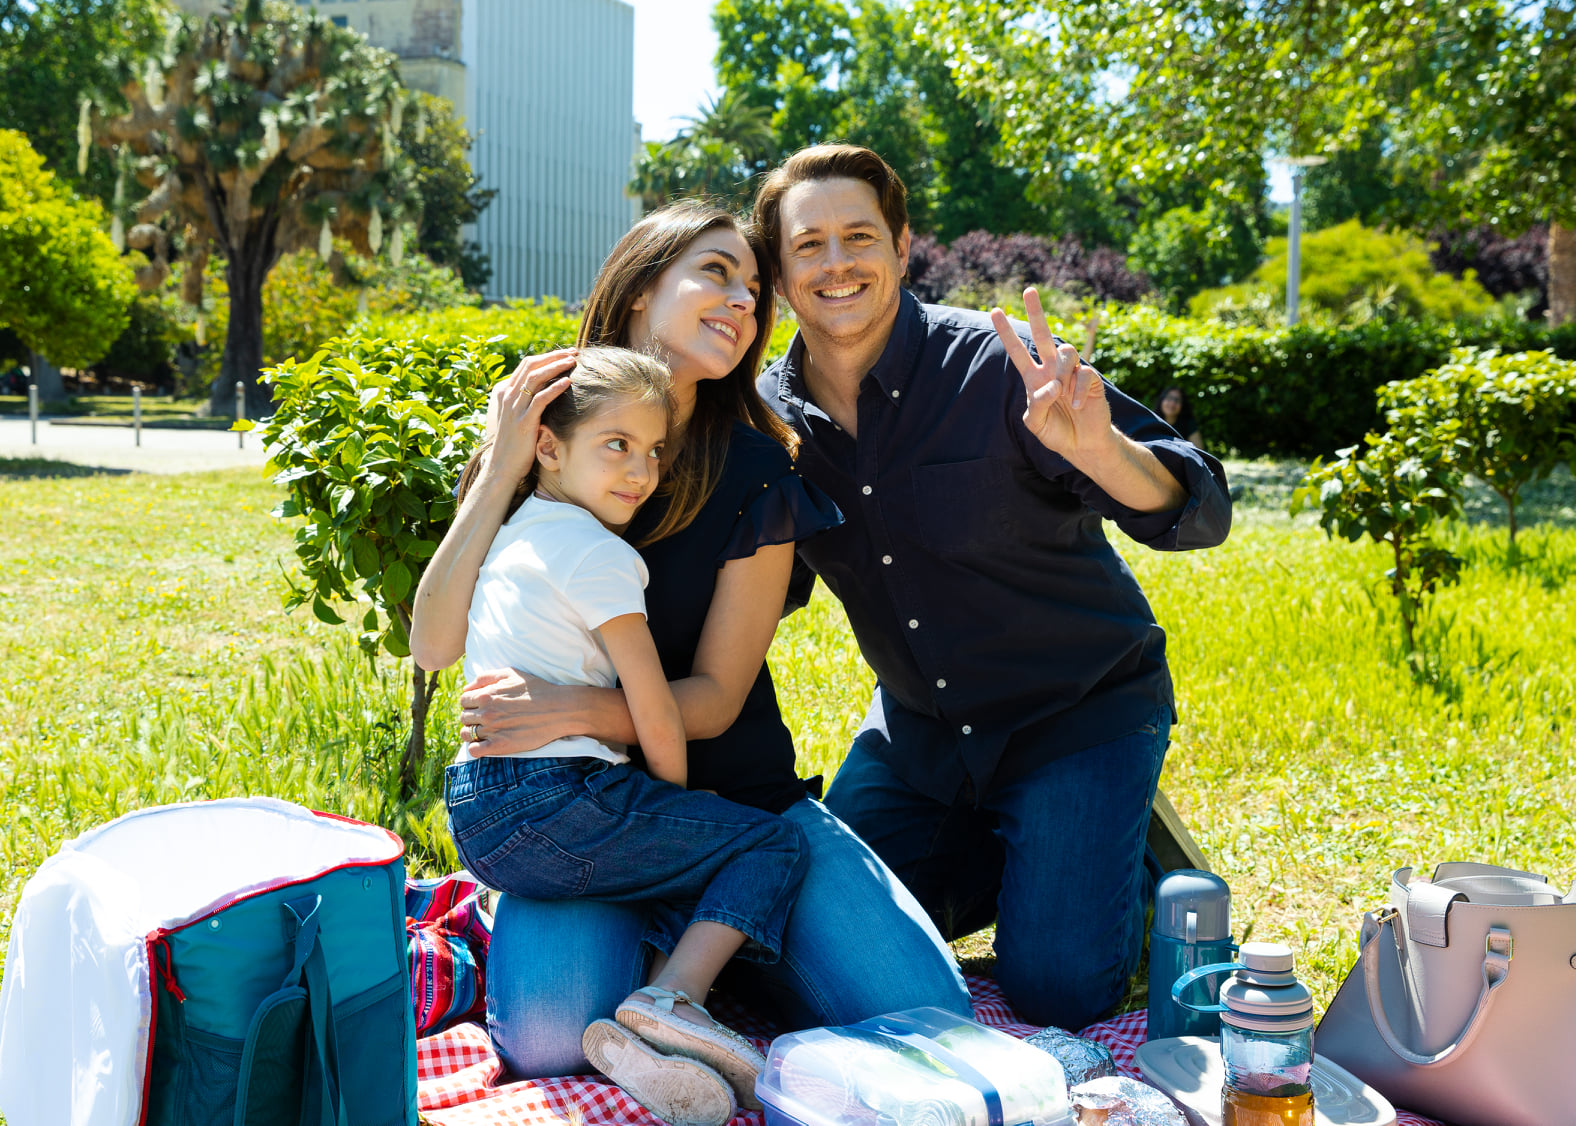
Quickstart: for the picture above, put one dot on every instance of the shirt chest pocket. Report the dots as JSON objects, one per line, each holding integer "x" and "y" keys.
{"x": 965, "y": 506}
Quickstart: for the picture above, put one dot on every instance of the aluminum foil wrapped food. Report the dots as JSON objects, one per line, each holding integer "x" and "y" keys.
{"x": 1115, "y": 1100}
{"x": 1080, "y": 1059}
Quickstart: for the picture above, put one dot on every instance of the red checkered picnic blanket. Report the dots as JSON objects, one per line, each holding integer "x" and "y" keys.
{"x": 459, "y": 1074}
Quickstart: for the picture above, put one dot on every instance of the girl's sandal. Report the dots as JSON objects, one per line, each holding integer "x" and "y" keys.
{"x": 734, "y": 1057}
{"x": 680, "y": 1091}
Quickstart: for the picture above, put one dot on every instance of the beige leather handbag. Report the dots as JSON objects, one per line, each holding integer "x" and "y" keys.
{"x": 1462, "y": 1004}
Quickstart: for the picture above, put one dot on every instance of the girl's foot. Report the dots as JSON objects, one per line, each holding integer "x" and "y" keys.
{"x": 680, "y": 1091}
{"x": 649, "y": 1013}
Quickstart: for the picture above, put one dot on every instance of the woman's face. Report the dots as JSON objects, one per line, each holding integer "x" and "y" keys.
{"x": 699, "y": 316}
{"x": 1171, "y": 405}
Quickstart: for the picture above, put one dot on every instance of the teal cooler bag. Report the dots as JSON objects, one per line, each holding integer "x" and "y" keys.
{"x": 274, "y": 968}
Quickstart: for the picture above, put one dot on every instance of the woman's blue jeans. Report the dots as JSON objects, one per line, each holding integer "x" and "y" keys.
{"x": 857, "y": 944}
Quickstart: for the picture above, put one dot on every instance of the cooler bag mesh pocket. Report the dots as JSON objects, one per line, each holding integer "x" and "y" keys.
{"x": 272, "y": 1064}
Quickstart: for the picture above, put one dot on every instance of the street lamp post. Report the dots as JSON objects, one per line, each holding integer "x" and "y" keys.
{"x": 1299, "y": 167}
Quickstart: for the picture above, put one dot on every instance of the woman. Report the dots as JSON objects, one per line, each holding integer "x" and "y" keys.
{"x": 1172, "y": 407}
{"x": 687, "y": 283}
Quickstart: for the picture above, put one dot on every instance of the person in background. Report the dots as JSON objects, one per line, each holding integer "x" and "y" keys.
{"x": 1173, "y": 407}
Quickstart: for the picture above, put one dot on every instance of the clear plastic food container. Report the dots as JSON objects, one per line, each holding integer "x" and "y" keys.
{"x": 922, "y": 1067}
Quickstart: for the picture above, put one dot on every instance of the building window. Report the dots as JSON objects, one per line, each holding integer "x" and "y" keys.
{"x": 340, "y": 21}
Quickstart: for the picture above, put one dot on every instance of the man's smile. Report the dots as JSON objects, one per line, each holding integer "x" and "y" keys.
{"x": 842, "y": 291}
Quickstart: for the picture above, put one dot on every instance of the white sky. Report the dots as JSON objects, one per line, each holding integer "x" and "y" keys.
{"x": 674, "y": 45}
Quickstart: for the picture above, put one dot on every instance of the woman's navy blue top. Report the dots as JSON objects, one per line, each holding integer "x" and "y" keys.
{"x": 759, "y": 501}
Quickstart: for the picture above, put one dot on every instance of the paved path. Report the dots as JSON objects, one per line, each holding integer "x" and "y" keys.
{"x": 111, "y": 447}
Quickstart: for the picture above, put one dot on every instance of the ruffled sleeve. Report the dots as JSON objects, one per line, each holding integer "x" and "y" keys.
{"x": 787, "y": 510}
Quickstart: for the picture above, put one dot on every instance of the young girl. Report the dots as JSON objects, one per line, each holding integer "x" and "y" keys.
{"x": 561, "y": 596}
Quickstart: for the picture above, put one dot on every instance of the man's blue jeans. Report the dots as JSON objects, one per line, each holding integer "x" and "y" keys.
{"x": 1055, "y": 857}
{"x": 857, "y": 944}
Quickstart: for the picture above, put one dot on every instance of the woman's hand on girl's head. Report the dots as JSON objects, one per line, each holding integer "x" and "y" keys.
{"x": 515, "y": 406}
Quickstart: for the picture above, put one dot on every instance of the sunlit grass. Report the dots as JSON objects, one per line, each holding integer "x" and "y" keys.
{"x": 144, "y": 658}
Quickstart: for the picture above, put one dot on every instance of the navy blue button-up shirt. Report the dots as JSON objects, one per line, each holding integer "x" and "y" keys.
{"x": 1003, "y": 628}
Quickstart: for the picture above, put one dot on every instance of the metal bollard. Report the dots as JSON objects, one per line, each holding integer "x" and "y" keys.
{"x": 136, "y": 415}
{"x": 32, "y": 409}
{"x": 240, "y": 413}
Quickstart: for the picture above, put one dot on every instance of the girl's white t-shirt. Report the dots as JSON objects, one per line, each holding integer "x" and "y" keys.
{"x": 553, "y": 575}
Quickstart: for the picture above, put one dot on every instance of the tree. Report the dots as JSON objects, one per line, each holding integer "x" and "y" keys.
{"x": 1479, "y": 95}
{"x": 259, "y": 130}
{"x": 871, "y": 74}
{"x": 716, "y": 156}
{"x": 64, "y": 288}
{"x": 436, "y": 143}
{"x": 1391, "y": 489}
{"x": 1498, "y": 139}
{"x": 52, "y": 52}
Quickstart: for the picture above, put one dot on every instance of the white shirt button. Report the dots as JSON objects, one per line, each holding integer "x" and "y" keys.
{"x": 867, "y": 490}
{"x": 913, "y": 623}
{"x": 967, "y": 730}
{"x": 887, "y": 559}
{"x": 895, "y": 394}
{"x": 941, "y": 683}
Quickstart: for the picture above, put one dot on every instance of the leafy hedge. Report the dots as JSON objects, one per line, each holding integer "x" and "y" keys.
{"x": 516, "y": 329}
{"x": 1297, "y": 392}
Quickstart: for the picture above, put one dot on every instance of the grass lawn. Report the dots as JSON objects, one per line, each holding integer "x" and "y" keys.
{"x": 155, "y": 408}
{"x": 144, "y": 658}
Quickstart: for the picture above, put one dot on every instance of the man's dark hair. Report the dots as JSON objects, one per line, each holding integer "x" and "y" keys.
{"x": 829, "y": 162}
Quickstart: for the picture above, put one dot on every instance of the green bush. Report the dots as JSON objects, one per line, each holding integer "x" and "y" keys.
{"x": 308, "y": 302}
{"x": 518, "y": 328}
{"x": 1354, "y": 273}
{"x": 1185, "y": 250}
{"x": 368, "y": 437}
{"x": 513, "y": 330}
{"x": 1508, "y": 420}
{"x": 1298, "y": 392}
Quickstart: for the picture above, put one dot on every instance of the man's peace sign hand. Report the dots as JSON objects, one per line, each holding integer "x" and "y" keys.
{"x": 1065, "y": 406}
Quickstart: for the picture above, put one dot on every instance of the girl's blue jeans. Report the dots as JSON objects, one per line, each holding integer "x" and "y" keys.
{"x": 857, "y": 945}
{"x": 587, "y": 829}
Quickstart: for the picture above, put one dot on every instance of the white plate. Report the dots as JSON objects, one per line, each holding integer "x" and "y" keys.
{"x": 1188, "y": 1069}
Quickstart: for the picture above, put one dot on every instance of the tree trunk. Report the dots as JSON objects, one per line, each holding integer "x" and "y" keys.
{"x": 51, "y": 388}
{"x": 1562, "y": 273}
{"x": 422, "y": 687}
{"x": 243, "y": 345}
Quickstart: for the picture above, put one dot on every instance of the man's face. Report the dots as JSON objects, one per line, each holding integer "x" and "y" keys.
{"x": 841, "y": 265}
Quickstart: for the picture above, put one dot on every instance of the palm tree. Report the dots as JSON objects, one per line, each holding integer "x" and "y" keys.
{"x": 717, "y": 155}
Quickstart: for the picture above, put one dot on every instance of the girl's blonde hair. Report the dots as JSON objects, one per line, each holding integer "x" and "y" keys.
{"x": 601, "y": 378}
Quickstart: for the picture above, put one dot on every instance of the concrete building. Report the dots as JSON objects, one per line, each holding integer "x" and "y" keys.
{"x": 547, "y": 89}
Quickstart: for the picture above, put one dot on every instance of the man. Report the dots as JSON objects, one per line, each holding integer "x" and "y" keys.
{"x": 1011, "y": 752}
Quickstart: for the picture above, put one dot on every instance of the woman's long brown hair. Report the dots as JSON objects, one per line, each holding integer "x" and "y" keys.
{"x": 633, "y": 268}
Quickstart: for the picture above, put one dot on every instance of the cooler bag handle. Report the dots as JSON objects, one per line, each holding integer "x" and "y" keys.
{"x": 302, "y": 1004}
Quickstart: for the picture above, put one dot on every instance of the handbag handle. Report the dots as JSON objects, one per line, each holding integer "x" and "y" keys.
{"x": 1497, "y": 951}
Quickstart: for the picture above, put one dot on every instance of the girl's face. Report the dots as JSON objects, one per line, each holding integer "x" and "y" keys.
{"x": 608, "y": 465}
{"x": 699, "y": 316}
{"x": 1171, "y": 406}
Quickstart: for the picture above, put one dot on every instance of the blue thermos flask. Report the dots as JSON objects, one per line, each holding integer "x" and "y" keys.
{"x": 1192, "y": 928}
